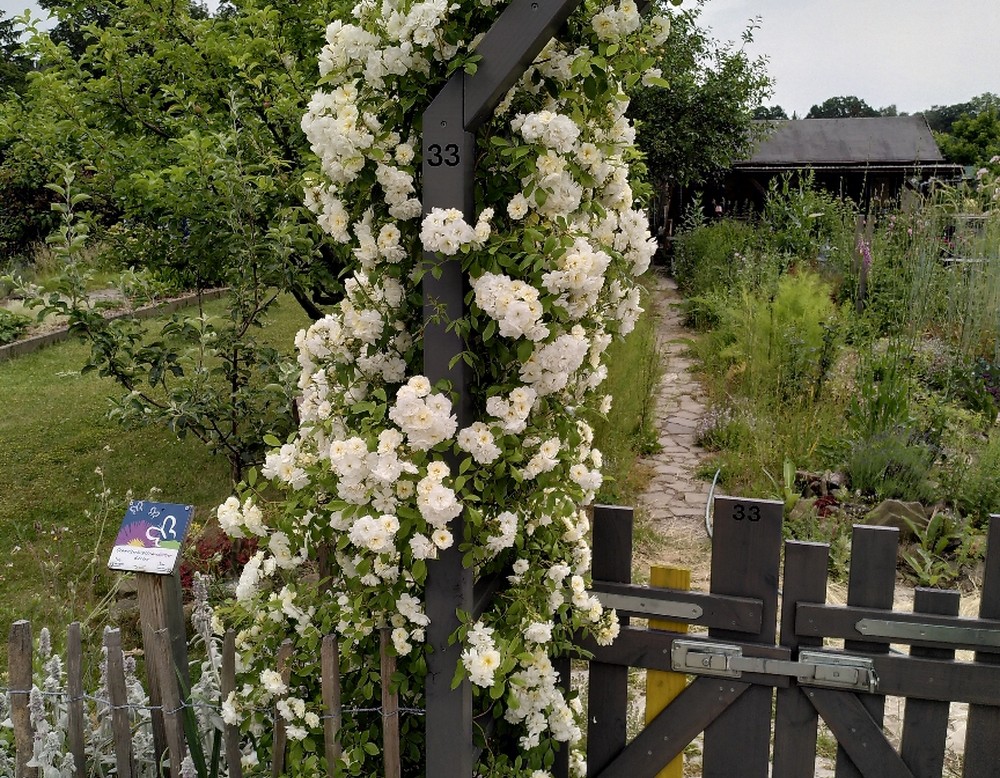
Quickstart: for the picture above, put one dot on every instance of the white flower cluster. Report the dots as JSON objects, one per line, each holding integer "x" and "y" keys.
{"x": 445, "y": 231}
{"x": 612, "y": 23}
{"x": 481, "y": 658}
{"x": 513, "y": 303}
{"x": 552, "y": 130}
{"x": 424, "y": 417}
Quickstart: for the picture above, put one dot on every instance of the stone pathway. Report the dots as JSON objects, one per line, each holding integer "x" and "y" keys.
{"x": 673, "y": 503}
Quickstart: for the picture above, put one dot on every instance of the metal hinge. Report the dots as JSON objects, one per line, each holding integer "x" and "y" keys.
{"x": 813, "y": 668}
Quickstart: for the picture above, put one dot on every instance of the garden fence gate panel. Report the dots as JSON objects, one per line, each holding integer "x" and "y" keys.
{"x": 757, "y": 695}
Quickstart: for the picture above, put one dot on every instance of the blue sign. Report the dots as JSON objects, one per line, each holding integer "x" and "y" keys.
{"x": 150, "y": 537}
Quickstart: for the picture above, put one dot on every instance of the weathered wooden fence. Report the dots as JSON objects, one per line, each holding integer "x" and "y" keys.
{"x": 87, "y": 713}
{"x": 758, "y": 696}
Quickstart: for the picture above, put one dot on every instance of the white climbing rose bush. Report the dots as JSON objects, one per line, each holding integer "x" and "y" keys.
{"x": 367, "y": 493}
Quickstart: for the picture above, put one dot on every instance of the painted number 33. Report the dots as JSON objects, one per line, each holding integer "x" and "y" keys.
{"x": 749, "y": 512}
{"x": 449, "y": 156}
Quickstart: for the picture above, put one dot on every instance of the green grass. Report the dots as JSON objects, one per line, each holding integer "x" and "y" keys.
{"x": 58, "y": 515}
{"x": 629, "y": 429}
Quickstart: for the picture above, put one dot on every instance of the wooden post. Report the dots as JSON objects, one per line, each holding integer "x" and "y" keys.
{"x": 982, "y": 746}
{"x": 390, "y": 708}
{"x": 662, "y": 688}
{"x": 871, "y": 584}
{"x": 925, "y": 722}
{"x": 160, "y": 608}
{"x": 796, "y": 720}
{"x": 280, "y": 733}
{"x": 746, "y": 552}
{"x": 330, "y": 664}
{"x": 171, "y": 700}
{"x": 121, "y": 730}
{"x": 607, "y": 707}
{"x": 227, "y": 685}
{"x": 74, "y": 676}
{"x": 19, "y": 649}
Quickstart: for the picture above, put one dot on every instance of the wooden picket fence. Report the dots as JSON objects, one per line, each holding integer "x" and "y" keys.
{"x": 166, "y": 717}
{"x": 758, "y": 694}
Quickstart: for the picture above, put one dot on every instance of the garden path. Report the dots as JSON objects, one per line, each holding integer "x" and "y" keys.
{"x": 673, "y": 502}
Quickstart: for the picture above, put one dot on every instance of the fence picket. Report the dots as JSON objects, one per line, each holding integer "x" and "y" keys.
{"x": 332, "y": 706}
{"x": 925, "y": 722}
{"x": 74, "y": 678}
{"x": 19, "y": 649}
{"x": 227, "y": 685}
{"x": 121, "y": 730}
{"x": 280, "y": 733}
{"x": 746, "y": 551}
{"x": 795, "y": 718}
{"x": 872, "y": 584}
{"x": 608, "y": 699}
{"x": 170, "y": 694}
{"x": 982, "y": 746}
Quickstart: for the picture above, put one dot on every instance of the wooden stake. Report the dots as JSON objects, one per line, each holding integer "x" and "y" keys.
{"x": 280, "y": 735}
{"x": 74, "y": 674}
{"x": 171, "y": 697}
{"x": 330, "y": 665}
{"x": 19, "y": 648}
{"x": 663, "y": 687}
{"x": 390, "y": 708}
{"x": 121, "y": 730}
{"x": 228, "y": 685}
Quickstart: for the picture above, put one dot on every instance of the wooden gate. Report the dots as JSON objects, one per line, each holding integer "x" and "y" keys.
{"x": 758, "y": 698}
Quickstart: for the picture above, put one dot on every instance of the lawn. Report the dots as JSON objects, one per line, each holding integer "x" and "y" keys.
{"x": 68, "y": 469}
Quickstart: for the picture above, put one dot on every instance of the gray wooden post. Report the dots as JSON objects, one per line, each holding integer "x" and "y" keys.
{"x": 448, "y": 171}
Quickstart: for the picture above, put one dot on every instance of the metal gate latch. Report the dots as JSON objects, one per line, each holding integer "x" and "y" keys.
{"x": 814, "y": 668}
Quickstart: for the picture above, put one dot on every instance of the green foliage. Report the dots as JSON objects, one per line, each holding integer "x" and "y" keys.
{"x": 807, "y": 222}
{"x": 891, "y": 466}
{"x": 187, "y": 128}
{"x": 849, "y": 107}
{"x": 769, "y": 112}
{"x": 974, "y": 139}
{"x": 976, "y": 486}
{"x": 942, "y": 552}
{"x": 781, "y": 348}
{"x": 695, "y": 128}
{"x": 12, "y": 325}
{"x": 628, "y": 430}
{"x": 706, "y": 258}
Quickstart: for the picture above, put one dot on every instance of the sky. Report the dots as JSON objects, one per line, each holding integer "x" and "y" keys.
{"x": 911, "y": 53}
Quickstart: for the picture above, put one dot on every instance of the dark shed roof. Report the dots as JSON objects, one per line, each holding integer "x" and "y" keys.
{"x": 878, "y": 142}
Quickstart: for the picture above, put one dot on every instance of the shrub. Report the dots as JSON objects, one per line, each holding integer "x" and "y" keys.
{"x": 12, "y": 326}
{"x": 782, "y": 349}
{"x": 977, "y": 487}
{"x": 706, "y": 258}
{"x": 891, "y": 466}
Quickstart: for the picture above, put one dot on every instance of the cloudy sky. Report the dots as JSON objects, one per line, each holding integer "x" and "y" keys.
{"x": 914, "y": 53}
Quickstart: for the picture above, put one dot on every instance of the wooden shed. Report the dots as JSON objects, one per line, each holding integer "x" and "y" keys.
{"x": 871, "y": 160}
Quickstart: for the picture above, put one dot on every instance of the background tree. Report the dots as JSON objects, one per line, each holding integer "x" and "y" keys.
{"x": 772, "y": 112}
{"x": 940, "y": 118}
{"x": 974, "y": 139}
{"x": 182, "y": 134}
{"x": 849, "y": 107}
{"x": 700, "y": 122}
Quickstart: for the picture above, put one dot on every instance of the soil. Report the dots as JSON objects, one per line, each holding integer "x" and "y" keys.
{"x": 671, "y": 513}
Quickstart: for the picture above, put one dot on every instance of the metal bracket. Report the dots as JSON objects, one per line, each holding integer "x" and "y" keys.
{"x": 814, "y": 668}
{"x": 647, "y": 606}
{"x": 970, "y": 637}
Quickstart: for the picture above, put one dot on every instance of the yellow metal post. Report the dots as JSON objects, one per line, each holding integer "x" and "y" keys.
{"x": 662, "y": 687}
